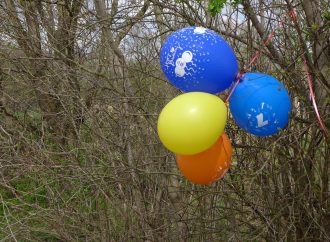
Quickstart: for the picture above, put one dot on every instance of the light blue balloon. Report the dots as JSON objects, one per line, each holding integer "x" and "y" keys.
{"x": 260, "y": 104}
{"x": 198, "y": 59}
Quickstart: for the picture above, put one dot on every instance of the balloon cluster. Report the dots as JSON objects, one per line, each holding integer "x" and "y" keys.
{"x": 201, "y": 63}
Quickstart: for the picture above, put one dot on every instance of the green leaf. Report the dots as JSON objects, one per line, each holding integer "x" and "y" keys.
{"x": 235, "y": 3}
{"x": 215, "y": 6}
{"x": 326, "y": 15}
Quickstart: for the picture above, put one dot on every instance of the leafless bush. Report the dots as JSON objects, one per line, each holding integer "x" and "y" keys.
{"x": 80, "y": 92}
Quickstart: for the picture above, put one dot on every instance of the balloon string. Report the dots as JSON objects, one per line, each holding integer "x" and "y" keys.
{"x": 253, "y": 59}
{"x": 292, "y": 14}
{"x": 309, "y": 80}
{"x": 233, "y": 89}
{"x": 319, "y": 118}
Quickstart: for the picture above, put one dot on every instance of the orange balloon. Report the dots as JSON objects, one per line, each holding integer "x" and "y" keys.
{"x": 208, "y": 166}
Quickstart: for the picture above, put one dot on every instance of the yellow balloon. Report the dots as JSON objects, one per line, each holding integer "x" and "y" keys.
{"x": 192, "y": 122}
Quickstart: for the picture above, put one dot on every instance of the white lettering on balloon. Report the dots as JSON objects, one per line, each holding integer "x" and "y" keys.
{"x": 260, "y": 119}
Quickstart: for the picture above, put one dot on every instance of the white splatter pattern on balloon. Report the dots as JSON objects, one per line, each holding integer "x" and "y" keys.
{"x": 199, "y": 30}
{"x": 190, "y": 51}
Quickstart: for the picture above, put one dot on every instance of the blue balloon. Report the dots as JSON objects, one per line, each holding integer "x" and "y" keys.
{"x": 260, "y": 104}
{"x": 198, "y": 59}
